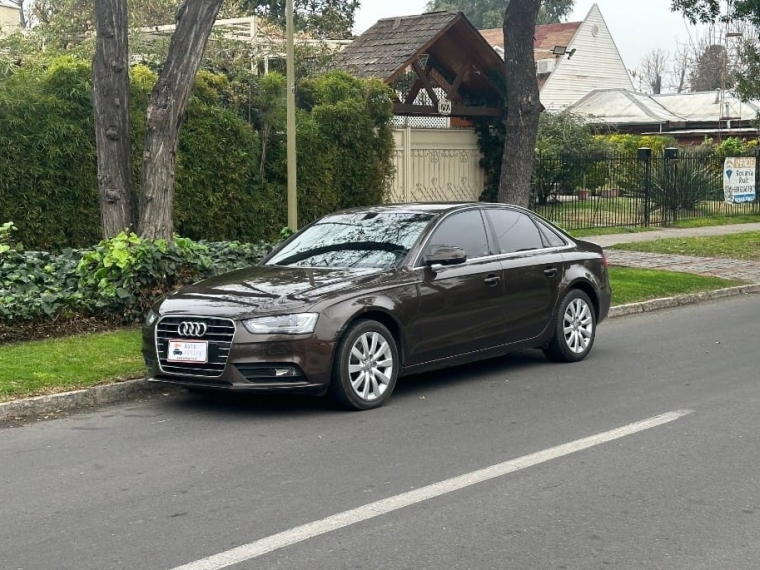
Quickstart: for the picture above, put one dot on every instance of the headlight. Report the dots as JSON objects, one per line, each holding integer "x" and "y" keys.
{"x": 303, "y": 323}
{"x": 150, "y": 318}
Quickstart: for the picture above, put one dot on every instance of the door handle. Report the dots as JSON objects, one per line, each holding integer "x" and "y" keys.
{"x": 491, "y": 280}
{"x": 550, "y": 271}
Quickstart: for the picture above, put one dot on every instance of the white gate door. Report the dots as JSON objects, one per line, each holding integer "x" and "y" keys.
{"x": 436, "y": 165}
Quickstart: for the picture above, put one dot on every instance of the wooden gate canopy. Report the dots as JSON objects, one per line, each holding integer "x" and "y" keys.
{"x": 436, "y": 63}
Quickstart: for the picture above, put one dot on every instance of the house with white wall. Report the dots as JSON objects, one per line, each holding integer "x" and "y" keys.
{"x": 573, "y": 59}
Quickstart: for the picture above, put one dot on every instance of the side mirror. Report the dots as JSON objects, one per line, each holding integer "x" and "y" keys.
{"x": 446, "y": 256}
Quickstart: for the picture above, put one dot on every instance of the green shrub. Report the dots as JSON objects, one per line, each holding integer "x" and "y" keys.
{"x": 5, "y": 237}
{"x": 124, "y": 274}
{"x": 115, "y": 281}
{"x": 629, "y": 144}
{"x": 216, "y": 175}
{"x": 38, "y": 284}
{"x": 353, "y": 117}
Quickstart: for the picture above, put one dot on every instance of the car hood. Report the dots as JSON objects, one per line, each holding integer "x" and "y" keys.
{"x": 265, "y": 289}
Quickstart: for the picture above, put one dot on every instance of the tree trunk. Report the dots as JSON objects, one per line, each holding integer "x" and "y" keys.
{"x": 21, "y": 15}
{"x": 523, "y": 104}
{"x": 110, "y": 89}
{"x": 168, "y": 101}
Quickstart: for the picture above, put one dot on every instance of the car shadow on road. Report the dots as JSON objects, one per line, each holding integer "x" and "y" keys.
{"x": 244, "y": 406}
{"x": 468, "y": 374}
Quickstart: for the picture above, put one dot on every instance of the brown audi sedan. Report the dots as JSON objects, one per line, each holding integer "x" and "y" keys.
{"x": 363, "y": 296}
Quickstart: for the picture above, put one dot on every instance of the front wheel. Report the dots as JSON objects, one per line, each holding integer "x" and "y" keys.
{"x": 575, "y": 329}
{"x": 366, "y": 366}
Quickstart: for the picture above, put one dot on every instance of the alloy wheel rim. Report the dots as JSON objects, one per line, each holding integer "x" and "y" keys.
{"x": 578, "y": 326}
{"x": 370, "y": 366}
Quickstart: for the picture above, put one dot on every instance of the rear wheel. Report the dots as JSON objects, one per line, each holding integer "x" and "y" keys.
{"x": 575, "y": 329}
{"x": 366, "y": 366}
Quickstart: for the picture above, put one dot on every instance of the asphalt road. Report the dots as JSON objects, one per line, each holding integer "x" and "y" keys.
{"x": 174, "y": 481}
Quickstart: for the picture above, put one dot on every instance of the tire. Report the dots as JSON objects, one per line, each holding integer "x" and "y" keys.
{"x": 575, "y": 329}
{"x": 366, "y": 366}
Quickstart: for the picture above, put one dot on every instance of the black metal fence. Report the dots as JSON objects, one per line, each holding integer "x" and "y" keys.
{"x": 579, "y": 192}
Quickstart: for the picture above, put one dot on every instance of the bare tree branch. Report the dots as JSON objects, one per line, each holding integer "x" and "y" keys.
{"x": 653, "y": 69}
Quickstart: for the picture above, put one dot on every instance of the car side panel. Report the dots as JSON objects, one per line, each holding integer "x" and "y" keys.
{"x": 459, "y": 311}
{"x": 583, "y": 268}
{"x": 532, "y": 282}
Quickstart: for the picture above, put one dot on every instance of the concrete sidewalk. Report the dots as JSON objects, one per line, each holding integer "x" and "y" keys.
{"x": 741, "y": 270}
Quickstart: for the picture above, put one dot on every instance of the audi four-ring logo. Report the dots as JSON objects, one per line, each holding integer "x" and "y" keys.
{"x": 188, "y": 328}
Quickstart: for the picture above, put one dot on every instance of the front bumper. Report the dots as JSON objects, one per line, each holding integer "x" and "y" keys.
{"x": 267, "y": 364}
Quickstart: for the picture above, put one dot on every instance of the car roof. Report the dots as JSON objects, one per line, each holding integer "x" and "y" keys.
{"x": 421, "y": 207}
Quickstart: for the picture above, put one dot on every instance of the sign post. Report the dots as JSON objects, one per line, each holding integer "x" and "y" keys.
{"x": 739, "y": 179}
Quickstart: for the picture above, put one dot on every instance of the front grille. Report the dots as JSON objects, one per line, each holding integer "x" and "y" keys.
{"x": 219, "y": 336}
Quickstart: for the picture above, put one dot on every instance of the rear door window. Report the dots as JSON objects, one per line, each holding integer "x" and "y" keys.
{"x": 552, "y": 238}
{"x": 514, "y": 231}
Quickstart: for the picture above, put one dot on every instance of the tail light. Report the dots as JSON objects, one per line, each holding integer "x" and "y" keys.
{"x": 605, "y": 262}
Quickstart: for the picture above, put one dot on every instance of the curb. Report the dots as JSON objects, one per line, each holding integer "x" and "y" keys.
{"x": 43, "y": 407}
{"x": 680, "y": 300}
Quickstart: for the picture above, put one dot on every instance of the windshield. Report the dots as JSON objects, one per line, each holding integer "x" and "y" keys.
{"x": 374, "y": 240}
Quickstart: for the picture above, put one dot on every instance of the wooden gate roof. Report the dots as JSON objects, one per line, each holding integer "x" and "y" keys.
{"x": 444, "y": 51}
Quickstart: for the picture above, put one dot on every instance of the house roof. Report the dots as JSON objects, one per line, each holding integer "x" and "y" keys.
{"x": 620, "y": 106}
{"x": 708, "y": 105}
{"x": 545, "y": 38}
{"x": 624, "y": 107}
{"x": 388, "y": 48}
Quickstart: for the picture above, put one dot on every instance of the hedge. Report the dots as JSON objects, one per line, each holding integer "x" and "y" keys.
{"x": 223, "y": 191}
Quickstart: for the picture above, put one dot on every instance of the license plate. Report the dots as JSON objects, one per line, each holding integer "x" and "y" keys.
{"x": 187, "y": 351}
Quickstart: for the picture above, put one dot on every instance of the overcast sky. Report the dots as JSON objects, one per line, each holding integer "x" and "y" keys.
{"x": 637, "y": 27}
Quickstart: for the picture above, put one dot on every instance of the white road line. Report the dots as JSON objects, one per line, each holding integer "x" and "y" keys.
{"x": 372, "y": 510}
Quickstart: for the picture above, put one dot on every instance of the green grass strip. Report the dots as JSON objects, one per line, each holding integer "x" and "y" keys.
{"x": 58, "y": 365}
{"x": 631, "y": 285}
{"x": 745, "y": 245}
{"x": 723, "y": 221}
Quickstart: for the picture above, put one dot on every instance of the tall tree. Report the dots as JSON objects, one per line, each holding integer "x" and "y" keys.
{"x": 68, "y": 21}
{"x": 486, "y": 14}
{"x": 710, "y": 11}
{"x": 323, "y": 19}
{"x": 194, "y": 22}
{"x": 710, "y": 71}
{"x": 168, "y": 101}
{"x": 523, "y": 104}
{"x": 110, "y": 88}
{"x": 741, "y": 17}
{"x": 553, "y": 11}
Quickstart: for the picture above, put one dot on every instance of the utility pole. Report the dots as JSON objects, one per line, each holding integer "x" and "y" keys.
{"x": 291, "y": 117}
